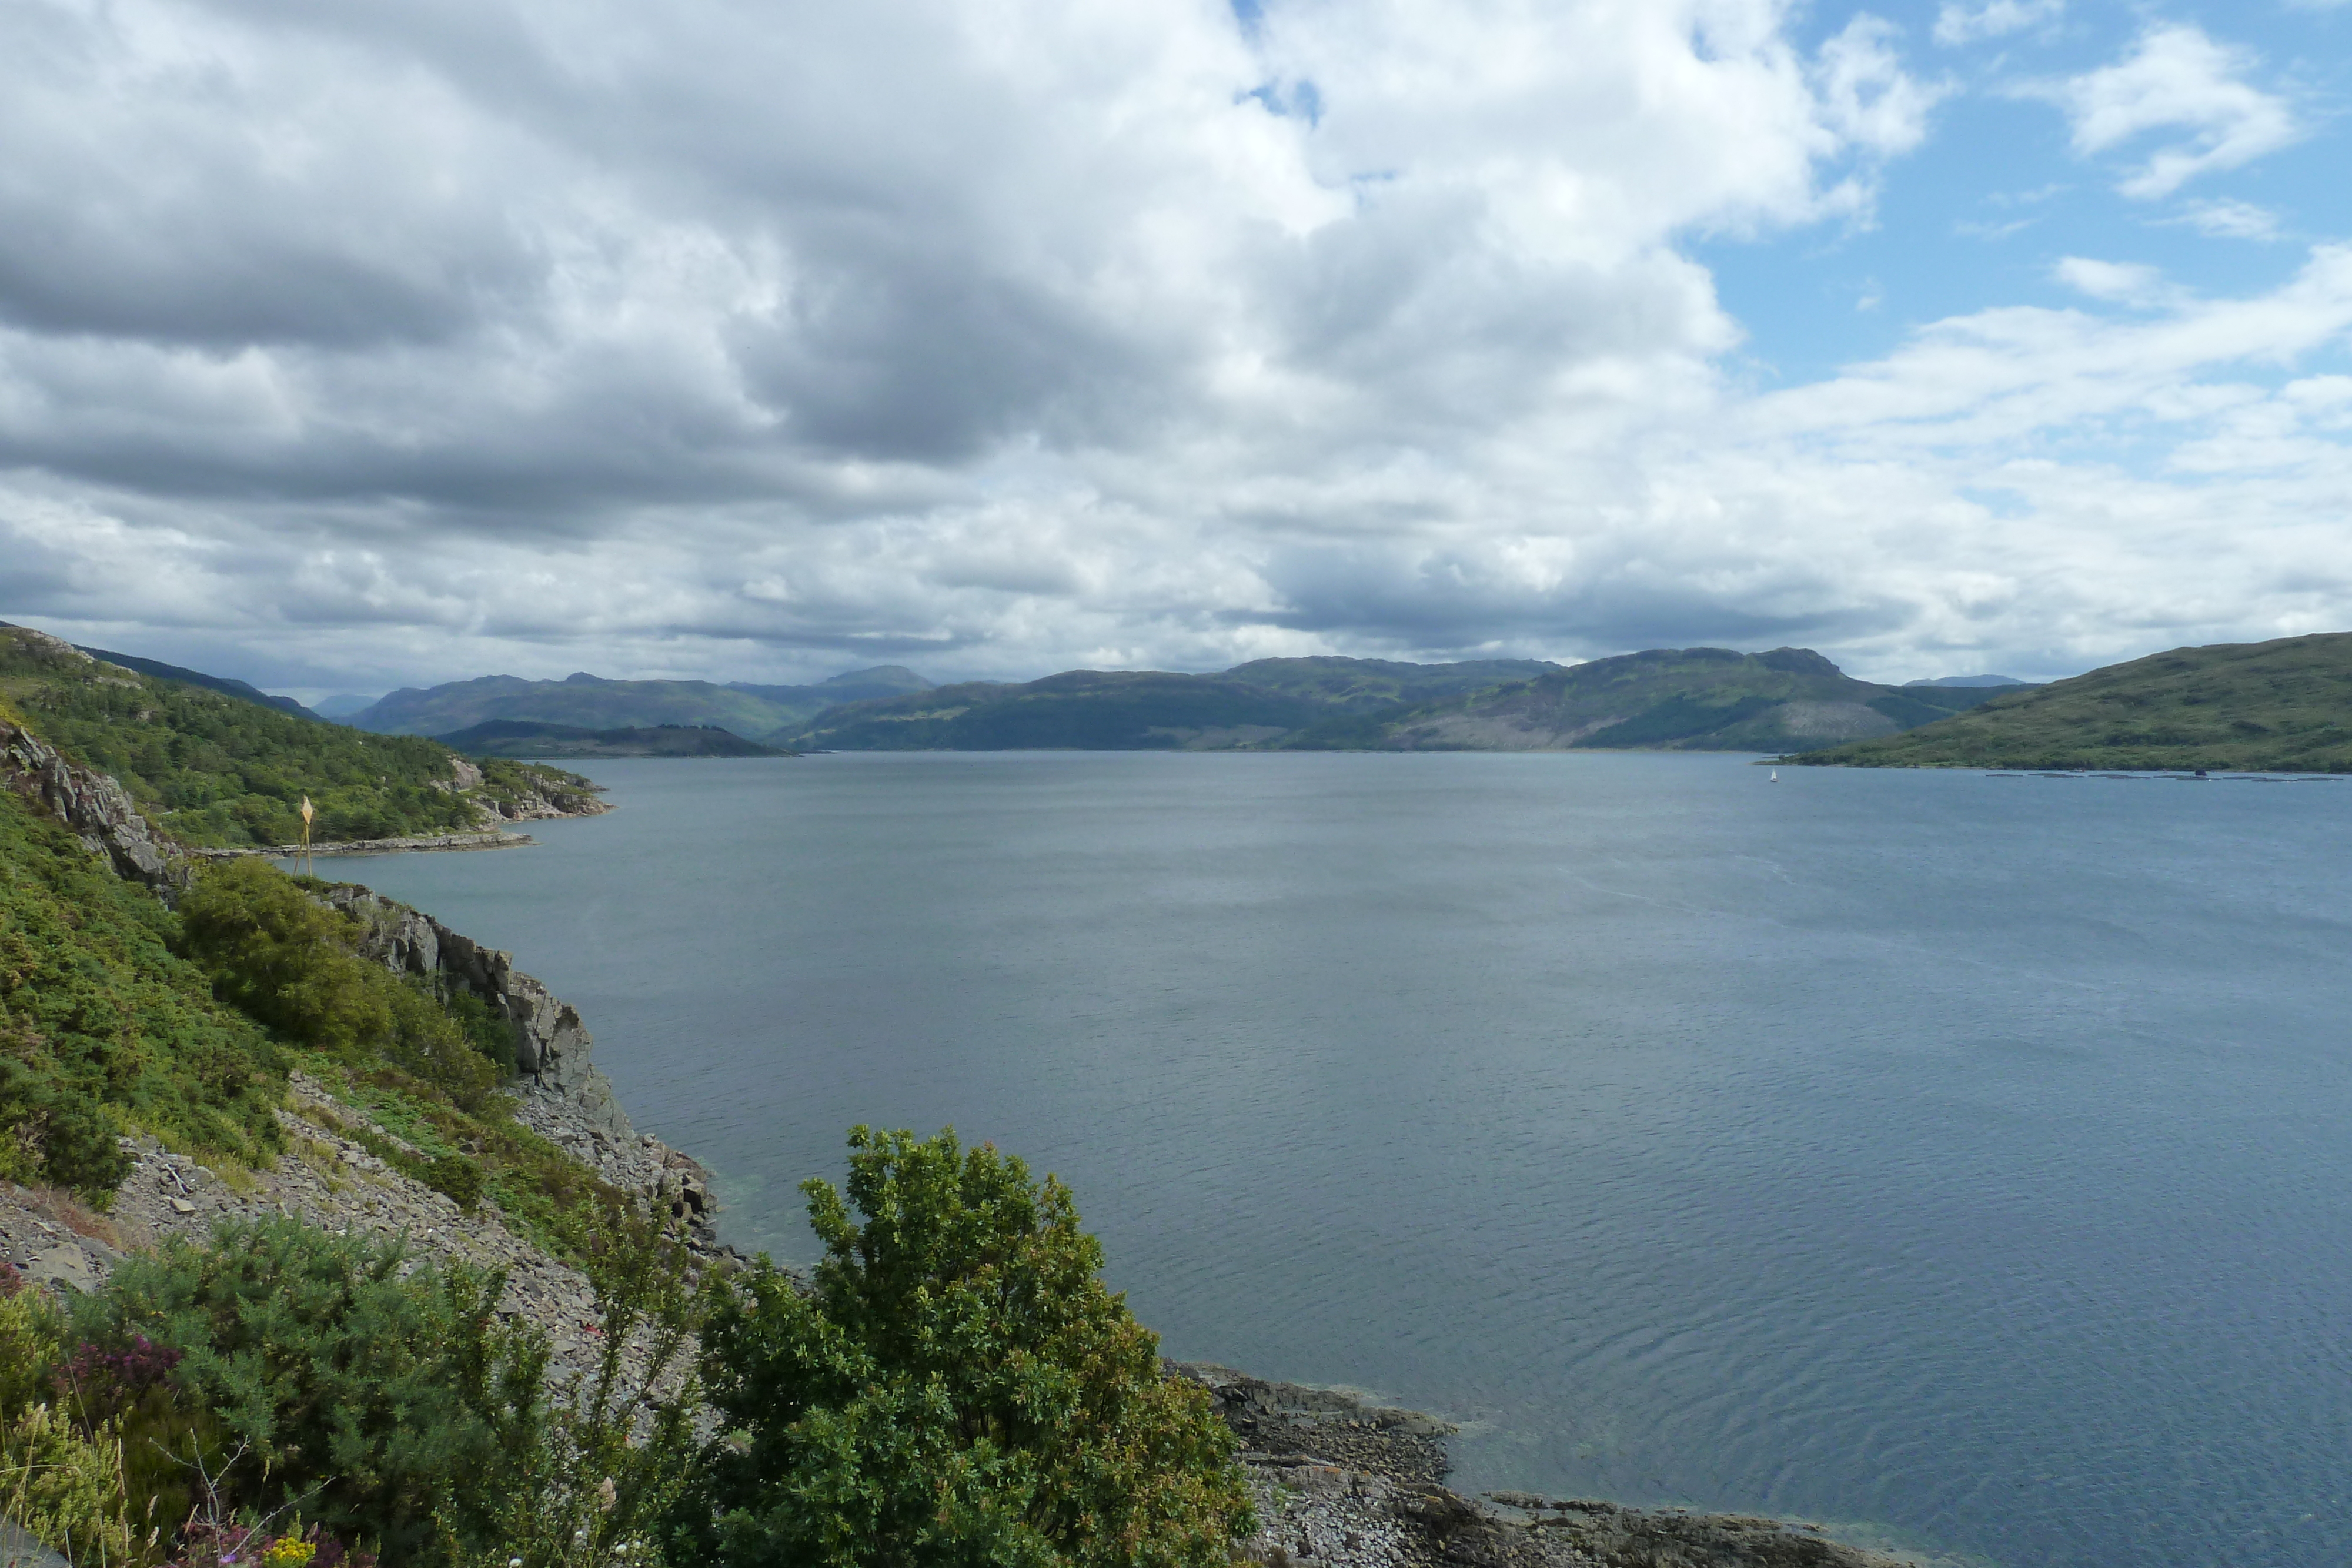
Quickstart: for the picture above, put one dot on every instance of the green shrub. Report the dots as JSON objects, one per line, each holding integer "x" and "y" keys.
{"x": 587, "y": 1486}
{"x": 456, "y": 1177}
{"x": 959, "y": 1388}
{"x": 280, "y": 955}
{"x": 371, "y": 1400}
{"x": 66, "y": 1486}
{"x": 103, "y": 1028}
{"x": 489, "y": 1032}
{"x": 32, "y": 1329}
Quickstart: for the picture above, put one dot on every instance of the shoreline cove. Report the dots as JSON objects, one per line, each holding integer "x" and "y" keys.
{"x": 1338, "y": 1481}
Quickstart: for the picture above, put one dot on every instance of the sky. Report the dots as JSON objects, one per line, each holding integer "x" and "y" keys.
{"x": 394, "y": 341}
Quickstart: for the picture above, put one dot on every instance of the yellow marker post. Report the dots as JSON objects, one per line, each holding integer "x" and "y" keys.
{"x": 308, "y": 866}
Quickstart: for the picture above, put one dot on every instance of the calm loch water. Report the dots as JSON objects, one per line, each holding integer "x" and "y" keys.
{"x": 1963, "y": 1161}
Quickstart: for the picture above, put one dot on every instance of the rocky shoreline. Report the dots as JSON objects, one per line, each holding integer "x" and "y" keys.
{"x": 1340, "y": 1482}
{"x": 424, "y": 844}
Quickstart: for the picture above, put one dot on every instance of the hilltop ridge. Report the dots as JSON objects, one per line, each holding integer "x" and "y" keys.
{"x": 217, "y": 769}
{"x": 2283, "y": 705}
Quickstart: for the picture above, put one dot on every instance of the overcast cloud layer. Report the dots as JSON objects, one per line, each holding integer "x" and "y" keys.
{"x": 401, "y": 341}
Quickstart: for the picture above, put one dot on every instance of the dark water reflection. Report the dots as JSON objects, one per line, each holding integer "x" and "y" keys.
{"x": 1960, "y": 1157}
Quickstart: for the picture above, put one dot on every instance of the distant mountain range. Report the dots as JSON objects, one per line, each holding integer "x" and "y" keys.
{"x": 1674, "y": 698}
{"x": 1129, "y": 710}
{"x": 1690, "y": 698}
{"x": 2284, "y": 706}
{"x": 588, "y": 702}
{"x": 2277, "y": 706}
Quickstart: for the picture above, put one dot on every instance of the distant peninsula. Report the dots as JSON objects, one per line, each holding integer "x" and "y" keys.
{"x": 759, "y": 713}
{"x": 2280, "y": 706}
{"x": 525, "y": 738}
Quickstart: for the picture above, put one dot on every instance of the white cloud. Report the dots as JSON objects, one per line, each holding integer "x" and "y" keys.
{"x": 413, "y": 339}
{"x": 2124, "y": 282}
{"x": 2176, "y": 78}
{"x": 1866, "y": 94}
{"x": 2226, "y": 219}
{"x": 1959, "y": 23}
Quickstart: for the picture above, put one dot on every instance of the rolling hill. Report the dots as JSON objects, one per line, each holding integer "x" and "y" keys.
{"x": 1671, "y": 699}
{"x": 589, "y": 702}
{"x": 222, "y": 684}
{"x": 217, "y": 769}
{"x": 2276, "y": 707}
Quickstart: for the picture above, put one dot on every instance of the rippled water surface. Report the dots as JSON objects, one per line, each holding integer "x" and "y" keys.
{"x": 1962, "y": 1159}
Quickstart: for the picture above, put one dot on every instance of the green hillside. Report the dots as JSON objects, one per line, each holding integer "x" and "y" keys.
{"x": 214, "y": 769}
{"x": 2278, "y": 706}
{"x": 589, "y": 702}
{"x": 222, "y": 684}
{"x": 1678, "y": 699}
{"x": 523, "y": 737}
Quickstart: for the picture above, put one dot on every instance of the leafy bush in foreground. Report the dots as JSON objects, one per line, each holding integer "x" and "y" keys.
{"x": 959, "y": 1389}
{"x": 370, "y": 1400}
{"x": 66, "y": 1486}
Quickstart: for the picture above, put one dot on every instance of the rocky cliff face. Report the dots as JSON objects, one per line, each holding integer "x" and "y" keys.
{"x": 92, "y": 804}
{"x": 561, "y": 1095}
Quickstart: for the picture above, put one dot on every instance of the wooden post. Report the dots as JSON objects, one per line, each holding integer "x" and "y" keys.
{"x": 309, "y": 866}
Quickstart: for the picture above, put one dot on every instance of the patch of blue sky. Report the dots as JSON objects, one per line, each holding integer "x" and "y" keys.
{"x": 1984, "y": 212}
{"x": 1292, "y": 99}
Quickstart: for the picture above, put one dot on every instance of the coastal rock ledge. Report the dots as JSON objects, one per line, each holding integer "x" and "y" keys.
{"x": 1340, "y": 1482}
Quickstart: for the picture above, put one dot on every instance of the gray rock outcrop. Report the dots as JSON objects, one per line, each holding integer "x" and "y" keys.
{"x": 1343, "y": 1482}
{"x": 19, "y": 1550}
{"x": 560, "y": 1095}
{"x": 94, "y": 806}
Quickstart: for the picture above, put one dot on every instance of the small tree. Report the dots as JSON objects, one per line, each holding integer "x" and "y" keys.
{"x": 959, "y": 1388}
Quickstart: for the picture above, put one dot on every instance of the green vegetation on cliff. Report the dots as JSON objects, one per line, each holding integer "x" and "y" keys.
{"x": 104, "y": 1028}
{"x": 117, "y": 1015}
{"x": 2277, "y": 706}
{"x": 187, "y": 677}
{"x": 213, "y": 770}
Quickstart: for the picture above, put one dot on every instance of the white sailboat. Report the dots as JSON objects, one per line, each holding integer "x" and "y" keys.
{"x": 1775, "y": 779}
